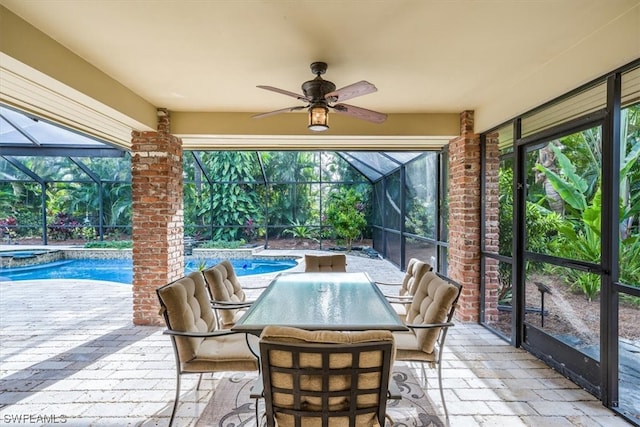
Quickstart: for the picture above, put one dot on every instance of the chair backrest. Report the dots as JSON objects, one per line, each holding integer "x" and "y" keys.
{"x": 325, "y": 378}
{"x": 434, "y": 302}
{"x": 325, "y": 263}
{"x": 224, "y": 286}
{"x": 186, "y": 307}
{"x": 415, "y": 271}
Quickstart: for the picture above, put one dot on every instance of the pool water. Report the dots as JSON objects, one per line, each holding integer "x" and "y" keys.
{"x": 121, "y": 270}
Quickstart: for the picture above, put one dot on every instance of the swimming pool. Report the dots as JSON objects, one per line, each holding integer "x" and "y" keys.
{"x": 121, "y": 270}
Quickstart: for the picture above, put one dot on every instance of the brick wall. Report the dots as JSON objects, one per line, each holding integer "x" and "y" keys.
{"x": 156, "y": 185}
{"x": 491, "y": 235}
{"x": 464, "y": 217}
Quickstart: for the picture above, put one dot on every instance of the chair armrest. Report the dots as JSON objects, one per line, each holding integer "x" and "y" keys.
{"x": 387, "y": 284}
{"x": 396, "y": 296}
{"x": 228, "y": 305}
{"x": 217, "y": 333}
{"x": 255, "y": 287}
{"x": 399, "y": 299}
{"x": 430, "y": 325}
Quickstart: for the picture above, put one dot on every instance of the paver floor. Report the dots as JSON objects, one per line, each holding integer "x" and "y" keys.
{"x": 70, "y": 355}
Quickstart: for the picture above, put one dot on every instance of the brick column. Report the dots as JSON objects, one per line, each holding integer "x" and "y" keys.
{"x": 492, "y": 226}
{"x": 464, "y": 217}
{"x": 158, "y": 217}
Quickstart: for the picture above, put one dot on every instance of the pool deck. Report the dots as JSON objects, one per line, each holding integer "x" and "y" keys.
{"x": 70, "y": 353}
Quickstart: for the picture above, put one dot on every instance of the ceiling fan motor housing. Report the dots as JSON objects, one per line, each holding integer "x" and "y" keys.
{"x": 316, "y": 89}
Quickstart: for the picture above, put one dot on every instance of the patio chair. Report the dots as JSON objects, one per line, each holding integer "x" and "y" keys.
{"x": 401, "y": 300}
{"x": 198, "y": 346}
{"x": 429, "y": 319}
{"x": 324, "y": 378}
{"x": 228, "y": 298}
{"x": 325, "y": 263}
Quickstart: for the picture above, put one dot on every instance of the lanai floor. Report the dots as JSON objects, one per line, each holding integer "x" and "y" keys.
{"x": 70, "y": 352}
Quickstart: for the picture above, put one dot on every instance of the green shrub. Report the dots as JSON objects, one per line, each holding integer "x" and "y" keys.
{"x": 117, "y": 244}
{"x": 345, "y": 213}
{"x": 222, "y": 244}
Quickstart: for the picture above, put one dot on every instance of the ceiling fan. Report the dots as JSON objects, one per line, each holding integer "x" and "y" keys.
{"x": 320, "y": 95}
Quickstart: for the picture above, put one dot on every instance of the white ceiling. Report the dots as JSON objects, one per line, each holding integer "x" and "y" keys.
{"x": 496, "y": 57}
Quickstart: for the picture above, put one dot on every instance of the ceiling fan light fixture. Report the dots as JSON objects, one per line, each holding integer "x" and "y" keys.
{"x": 318, "y": 118}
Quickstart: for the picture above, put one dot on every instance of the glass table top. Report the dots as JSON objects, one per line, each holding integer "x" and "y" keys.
{"x": 332, "y": 301}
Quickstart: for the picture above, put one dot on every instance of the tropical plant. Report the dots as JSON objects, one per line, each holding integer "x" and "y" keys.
{"x": 251, "y": 231}
{"x": 8, "y": 228}
{"x": 345, "y": 213}
{"x": 541, "y": 226}
{"x": 300, "y": 232}
{"x": 64, "y": 226}
{"x": 291, "y": 193}
{"x": 580, "y": 237}
{"x": 232, "y": 199}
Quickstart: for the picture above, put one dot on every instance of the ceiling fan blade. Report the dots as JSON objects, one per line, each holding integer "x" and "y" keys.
{"x": 282, "y": 110}
{"x": 360, "y": 113}
{"x": 356, "y": 89}
{"x": 285, "y": 92}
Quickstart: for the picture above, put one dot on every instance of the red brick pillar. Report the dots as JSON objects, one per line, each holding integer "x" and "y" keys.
{"x": 156, "y": 185}
{"x": 492, "y": 226}
{"x": 464, "y": 217}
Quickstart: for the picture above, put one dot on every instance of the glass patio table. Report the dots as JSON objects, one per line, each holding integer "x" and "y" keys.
{"x": 329, "y": 301}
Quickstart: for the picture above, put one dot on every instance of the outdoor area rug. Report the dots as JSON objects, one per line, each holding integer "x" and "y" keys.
{"x": 231, "y": 406}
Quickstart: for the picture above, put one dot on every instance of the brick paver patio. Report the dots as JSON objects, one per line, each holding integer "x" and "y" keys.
{"x": 70, "y": 355}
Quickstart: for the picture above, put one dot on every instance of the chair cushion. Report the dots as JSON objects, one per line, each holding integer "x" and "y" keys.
{"x": 296, "y": 335}
{"x": 225, "y": 286}
{"x": 431, "y": 304}
{"x": 325, "y": 263}
{"x": 224, "y": 353}
{"x": 408, "y": 348}
{"x": 415, "y": 271}
{"x": 188, "y": 309}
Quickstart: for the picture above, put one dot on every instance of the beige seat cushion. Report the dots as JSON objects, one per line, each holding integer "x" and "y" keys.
{"x": 415, "y": 271}
{"x": 225, "y": 286}
{"x": 295, "y": 335}
{"x": 431, "y": 303}
{"x": 224, "y": 353}
{"x": 188, "y": 309}
{"x": 325, "y": 263}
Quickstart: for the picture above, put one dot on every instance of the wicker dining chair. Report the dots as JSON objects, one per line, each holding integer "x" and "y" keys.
{"x": 325, "y": 378}
{"x": 198, "y": 346}
{"x": 428, "y": 319}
